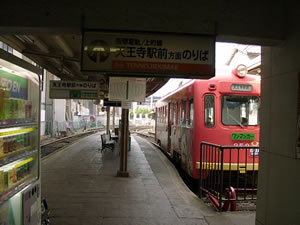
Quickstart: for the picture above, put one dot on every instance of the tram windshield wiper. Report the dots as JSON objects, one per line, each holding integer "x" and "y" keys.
{"x": 235, "y": 120}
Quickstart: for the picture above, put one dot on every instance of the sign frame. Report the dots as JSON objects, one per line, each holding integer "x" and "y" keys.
{"x": 64, "y": 89}
{"x": 97, "y": 48}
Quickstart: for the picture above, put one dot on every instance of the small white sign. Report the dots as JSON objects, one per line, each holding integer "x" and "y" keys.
{"x": 137, "y": 89}
{"x": 117, "y": 88}
{"x": 126, "y": 105}
{"x": 127, "y": 89}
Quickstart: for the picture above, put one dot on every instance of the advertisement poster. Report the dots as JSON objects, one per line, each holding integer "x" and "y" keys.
{"x": 14, "y": 104}
{"x": 16, "y": 86}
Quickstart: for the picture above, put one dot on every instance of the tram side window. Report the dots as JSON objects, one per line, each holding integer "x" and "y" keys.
{"x": 163, "y": 115}
{"x": 166, "y": 114}
{"x": 191, "y": 112}
{"x": 183, "y": 114}
{"x": 209, "y": 110}
{"x": 174, "y": 113}
{"x": 178, "y": 113}
{"x": 160, "y": 114}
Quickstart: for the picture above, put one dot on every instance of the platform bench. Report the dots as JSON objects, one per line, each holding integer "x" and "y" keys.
{"x": 106, "y": 142}
{"x": 115, "y": 136}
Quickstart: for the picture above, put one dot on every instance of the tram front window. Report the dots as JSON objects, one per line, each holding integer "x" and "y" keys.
{"x": 240, "y": 110}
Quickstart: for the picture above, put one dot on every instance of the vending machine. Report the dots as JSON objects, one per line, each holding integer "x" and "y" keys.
{"x": 20, "y": 199}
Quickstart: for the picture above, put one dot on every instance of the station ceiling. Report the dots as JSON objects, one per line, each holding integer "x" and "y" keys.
{"x": 60, "y": 55}
{"x": 50, "y": 32}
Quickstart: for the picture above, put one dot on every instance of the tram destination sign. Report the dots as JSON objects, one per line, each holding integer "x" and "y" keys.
{"x": 242, "y": 136}
{"x": 241, "y": 87}
{"x": 147, "y": 54}
{"x": 60, "y": 89}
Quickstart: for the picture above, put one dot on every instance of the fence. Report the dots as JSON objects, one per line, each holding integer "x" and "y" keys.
{"x": 55, "y": 128}
{"x": 228, "y": 174}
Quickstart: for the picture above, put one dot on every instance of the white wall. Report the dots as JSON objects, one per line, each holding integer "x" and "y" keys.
{"x": 59, "y": 110}
{"x": 279, "y": 176}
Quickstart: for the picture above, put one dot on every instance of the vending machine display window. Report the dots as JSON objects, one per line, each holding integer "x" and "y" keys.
{"x": 19, "y": 137}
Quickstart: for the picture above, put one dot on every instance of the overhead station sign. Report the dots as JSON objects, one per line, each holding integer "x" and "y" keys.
{"x": 143, "y": 54}
{"x": 60, "y": 89}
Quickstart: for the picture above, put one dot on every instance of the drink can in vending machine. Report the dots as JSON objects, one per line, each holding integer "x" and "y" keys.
{"x": 30, "y": 111}
{"x": 7, "y": 109}
{"x": 26, "y": 110}
{"x": 20, "y": 109}
{"x": 1, "y": 146}
{"x": 26, "y": 139}
{"x": 2, "y": 104}
{"x": 5, "y": 145}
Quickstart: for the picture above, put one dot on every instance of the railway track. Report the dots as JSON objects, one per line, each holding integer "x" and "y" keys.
{"x": 53, "y": 146}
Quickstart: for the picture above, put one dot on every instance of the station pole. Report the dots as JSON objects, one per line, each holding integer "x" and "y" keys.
{"x": 124, "y": 145}
{"x": 114, "y": 116}
{"x": 107, "y": 119}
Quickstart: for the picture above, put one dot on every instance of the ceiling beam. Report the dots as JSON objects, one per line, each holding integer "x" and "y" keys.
{"x": 19, "y": 62}
{"x": 39, "y": 43}
{"x": 50, "y": 55}
{"x": 64, "y": 46}
{"x": 13, "y": 42}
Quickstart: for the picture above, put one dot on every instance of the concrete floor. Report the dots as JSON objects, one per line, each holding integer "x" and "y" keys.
{"x": 81, "y": 188}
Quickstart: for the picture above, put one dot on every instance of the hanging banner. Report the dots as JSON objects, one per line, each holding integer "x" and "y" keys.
{"x": 148, "y": 53}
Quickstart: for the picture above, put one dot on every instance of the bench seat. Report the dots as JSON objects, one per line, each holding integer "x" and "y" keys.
{"x": 107, "y": 143}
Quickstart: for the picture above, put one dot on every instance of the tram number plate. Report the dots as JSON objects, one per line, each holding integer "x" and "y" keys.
{"x": 254, "y": 152}
{"x": 242, "y": 136}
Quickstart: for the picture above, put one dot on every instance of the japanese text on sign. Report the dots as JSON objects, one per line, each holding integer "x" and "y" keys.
{"x": 242, "y": 136}
{"x": 156, "y": 52}
{"x": 109, "y": 51}
{"x": 74, "y": 90}
{"x": 73, "y": 85}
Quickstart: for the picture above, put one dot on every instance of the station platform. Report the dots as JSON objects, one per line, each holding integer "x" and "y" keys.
{"x": 81, "y": 188}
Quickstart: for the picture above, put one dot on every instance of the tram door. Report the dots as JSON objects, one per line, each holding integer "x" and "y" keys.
{"x": 169, "y": 126}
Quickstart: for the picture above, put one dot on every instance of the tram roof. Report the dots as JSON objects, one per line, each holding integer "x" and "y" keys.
{"x": 221, "y": 75}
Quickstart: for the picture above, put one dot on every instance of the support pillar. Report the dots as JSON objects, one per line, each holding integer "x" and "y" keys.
{"x": 107, "y": 119}
{"x": 124, "y": 145}
{"x": 114, "y": 117}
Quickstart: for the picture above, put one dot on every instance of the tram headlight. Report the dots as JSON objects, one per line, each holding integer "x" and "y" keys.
{"x": 240, "y": 71}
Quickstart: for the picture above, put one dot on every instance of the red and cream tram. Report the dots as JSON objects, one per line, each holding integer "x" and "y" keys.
{"x": 222, "y": 110}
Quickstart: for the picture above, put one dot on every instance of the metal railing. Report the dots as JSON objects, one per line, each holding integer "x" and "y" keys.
{"x": 228, "y": 174}
{"x": 55, "y": 128}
